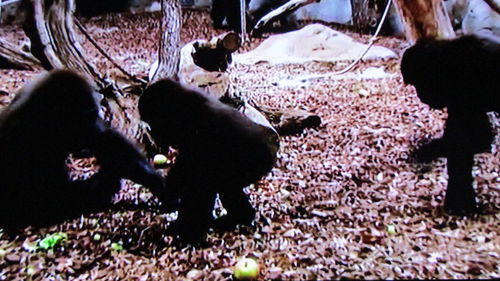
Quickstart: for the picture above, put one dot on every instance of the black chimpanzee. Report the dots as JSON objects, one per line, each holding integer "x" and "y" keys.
{"x": 228, "y": 10}
{"x": 50, "y": 118}
{"x": 460, "y": 74}
{"x": 220, "y": 152}
{"x": 90, "y": 8}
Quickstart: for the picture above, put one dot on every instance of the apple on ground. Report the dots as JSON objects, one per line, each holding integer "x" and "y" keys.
{"x": 246, "y": 269}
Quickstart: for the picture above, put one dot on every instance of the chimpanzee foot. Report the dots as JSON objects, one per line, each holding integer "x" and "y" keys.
{"x": 461, "y": 206}
{"x": 229, "y": 222}
{"x": 427, "y": 153}
{"x": 169, "y": 199}
{"x": 187, "y": 233}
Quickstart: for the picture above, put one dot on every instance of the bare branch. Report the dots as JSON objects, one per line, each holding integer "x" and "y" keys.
{"x": 281, "y": 11}
{"x": 493, "y": 5}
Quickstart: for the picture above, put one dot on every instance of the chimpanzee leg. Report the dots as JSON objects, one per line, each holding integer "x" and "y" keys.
{"x": 92, "y": 195}
{"x": 467, "y": 133}
{"x": 460, "y": 196}
{"x": 239, "y": 209}
{"x": 430, "y": 151}
{"x": 67, "y": 200}
{"x": 195, "y": 212}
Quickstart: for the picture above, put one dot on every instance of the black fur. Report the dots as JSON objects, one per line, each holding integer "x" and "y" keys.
{"x": 220, "y": 152}
{"x": 460, "y": 74}
{"x": 49, "y": 119}
{"x": 228, "y": 10}
{"x": 90, "y": 8}
{"x": 211, "y": 59}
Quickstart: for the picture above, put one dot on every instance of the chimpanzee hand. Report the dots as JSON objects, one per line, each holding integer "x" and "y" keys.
{"x": 117, "y": 155}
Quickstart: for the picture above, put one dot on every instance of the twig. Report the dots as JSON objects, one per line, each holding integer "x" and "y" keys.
{"x": 8, "y": 2}
{"x": 493, "y": 5}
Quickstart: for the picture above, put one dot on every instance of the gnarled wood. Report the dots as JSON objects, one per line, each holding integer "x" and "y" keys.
{"x": 50, "y": 26}
{"x": 12, "y": 57}
{"x": 290, "y": 121}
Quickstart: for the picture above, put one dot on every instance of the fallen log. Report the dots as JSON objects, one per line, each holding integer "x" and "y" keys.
{"x": 203, "y": 65}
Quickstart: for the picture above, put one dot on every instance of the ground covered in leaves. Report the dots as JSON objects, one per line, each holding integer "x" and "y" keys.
{"x": 343, "y": 201}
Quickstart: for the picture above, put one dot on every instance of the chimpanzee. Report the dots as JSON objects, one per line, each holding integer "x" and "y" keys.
{"x": 220, "y": 152}
{"x": 50, "y": 118}
{"x": 89, "y": 8}
{"x": 228, "y": 10}
{"x": 462, "y": 75}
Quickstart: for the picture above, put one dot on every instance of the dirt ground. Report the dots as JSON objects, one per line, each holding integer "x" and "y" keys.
{"x": 342, "y": 202}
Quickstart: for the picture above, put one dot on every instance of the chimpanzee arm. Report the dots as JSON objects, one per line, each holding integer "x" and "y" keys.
{"x": 119, "y": 156}
{"x": 467, "y": 131}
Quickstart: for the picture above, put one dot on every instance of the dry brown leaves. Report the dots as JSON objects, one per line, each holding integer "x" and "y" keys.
{"x": 342, "y": 202}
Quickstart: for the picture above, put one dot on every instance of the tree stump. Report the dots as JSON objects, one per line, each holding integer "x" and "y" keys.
{"x": 424, "y": 18}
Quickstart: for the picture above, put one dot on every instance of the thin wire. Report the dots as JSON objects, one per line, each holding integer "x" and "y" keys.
{"x": 370, "y": 44}
{"x": 243, "y": 20}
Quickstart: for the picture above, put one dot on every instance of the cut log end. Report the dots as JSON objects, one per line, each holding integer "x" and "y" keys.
{"x": 231, "y": 42}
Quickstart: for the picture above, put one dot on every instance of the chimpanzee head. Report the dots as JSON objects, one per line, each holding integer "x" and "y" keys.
{"x": 420, "y": 67}
{"x": 172, "y": 110}
{"x": 59, "y": 106}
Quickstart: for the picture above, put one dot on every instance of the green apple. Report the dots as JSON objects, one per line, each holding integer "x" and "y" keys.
{"x": 246, "y": 269}
{"x": 391, "y": 229}
{"x": 160, "y": 160}
{"x": 97, "y": 237}
{"x": 116, "y": 246}
{"x": 53, "y": 240}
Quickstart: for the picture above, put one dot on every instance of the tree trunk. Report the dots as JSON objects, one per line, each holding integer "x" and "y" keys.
{"x": 366, "y": 13}
{"x": 169, "y": 50}
{"x": 53, "y": 41}
{"x": 424, "y": 18}
{"x": 50, "y": 26}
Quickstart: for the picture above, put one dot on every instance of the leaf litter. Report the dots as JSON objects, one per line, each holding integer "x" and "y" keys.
{"x": 343, "y": 200}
